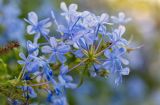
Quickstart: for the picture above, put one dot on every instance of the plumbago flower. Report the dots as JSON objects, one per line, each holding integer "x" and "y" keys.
{"x": 83, "y": 44}
{"x": 57, "y": 50}
{"x": 37, "y": 27}
{"x": 121, "y": 19}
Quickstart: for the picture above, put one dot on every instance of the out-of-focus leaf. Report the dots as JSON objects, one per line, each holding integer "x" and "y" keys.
{"x": 3, "y": 100}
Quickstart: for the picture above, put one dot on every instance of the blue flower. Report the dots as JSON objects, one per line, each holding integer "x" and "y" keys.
{"x": 9, "y": 19}
{"x": 116, "y": 37}
{"x": 103, "y": 20}
{"x": 121, "y": 19}
{"x": 56, "y": 100}
{"x": 78, "y": 53}
{"x": 70, "y": 13}
{"x": 32, "y": 48}
{"x": 90, "y": 21}
{"x": 28, "y": 92}
{"x": 57, "y": 50}
{"x": 64, "y": 79}
{"x": 25, "y": 60}
{"x": 29, "y": 63}
{"x": 114, "y": 63}
{"x": 37, "y": 27}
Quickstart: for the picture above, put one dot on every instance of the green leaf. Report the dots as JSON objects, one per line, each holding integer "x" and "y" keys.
{"x": 3, "y": 70}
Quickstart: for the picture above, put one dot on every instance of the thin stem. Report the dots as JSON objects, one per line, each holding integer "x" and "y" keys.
{"x": 106, "y": 48}
{"x": 75, "y": 23}
{"x": 98, "y": 45}
{"x": 97, "y": 30}
{"x": 45, "y": 36}
{"x": 40, "y": 84}
{"x": 41, "y": 44}
{"x": 78, "y": 65}
{"x": 37, "y": 75}
{"x": 21, "y": 73}
{"x": 82, "y": 75}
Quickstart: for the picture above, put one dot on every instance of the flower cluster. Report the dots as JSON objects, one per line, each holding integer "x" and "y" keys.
{"x": 85, "y": 42}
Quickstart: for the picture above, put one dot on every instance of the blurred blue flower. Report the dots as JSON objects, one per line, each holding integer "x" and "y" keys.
{"x": 114, "y": 63}
{"x": 32, "y": 48}
{"x": 30, "y": 64}
{"x": 25, "y": 60}
{"x": 56, "y": 100}
{"x": 28, "y": 92}
{"x": 70, "y": 13}
{"x": 121, "y": 19}
{"x": 65, "y": 80}
{"x": 116, "y": 37}
{"x": 9, "y": 20}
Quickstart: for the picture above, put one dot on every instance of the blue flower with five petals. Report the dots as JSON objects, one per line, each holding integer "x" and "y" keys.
{"x": 57, "y": 50}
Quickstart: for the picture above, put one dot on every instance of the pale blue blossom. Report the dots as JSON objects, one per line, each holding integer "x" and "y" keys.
{"x": 121, "y": 19}
{"x": 57, "y": 50}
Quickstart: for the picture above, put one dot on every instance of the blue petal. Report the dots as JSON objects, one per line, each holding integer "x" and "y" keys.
{"x": 21, "y": 62}
{"x": 82, "y": 43}
{"x": 64, "y": 69}
{"x": 53, "y": 42}
{"x": 79, "y": 53}
{"x": 22, "y": 56}
{"x": 33, "y": 18}
{"x": 46, "y": 49}
{"x": 107, "y": 53}
{"x": 63, "y": 49}
{"x": 125, "y": 71}
{"x": 118, "y": 80}
{"x": 32, "y": 93}
{"x": 64, "y": 7}
{"x": 52, "y": 58}
{"x": 71, "y": 85}
{"x": 61, "y": 58}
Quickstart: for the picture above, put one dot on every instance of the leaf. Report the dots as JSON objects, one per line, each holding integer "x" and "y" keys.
{"x": 3, "y": 70}
{"x": 82, "y": 74}
{"x": 3, "y": 99}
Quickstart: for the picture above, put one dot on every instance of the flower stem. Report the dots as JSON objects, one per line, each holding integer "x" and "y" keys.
{"x": 78, "y": 65}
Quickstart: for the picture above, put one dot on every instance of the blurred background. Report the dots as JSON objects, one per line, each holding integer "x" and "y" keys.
{"x": 141, "y": 87}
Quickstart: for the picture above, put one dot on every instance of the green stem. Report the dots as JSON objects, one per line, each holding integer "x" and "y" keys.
{"x": 21, "y": 73}
{"x": 82, "y": 76}
{"x": 78, "y": 65}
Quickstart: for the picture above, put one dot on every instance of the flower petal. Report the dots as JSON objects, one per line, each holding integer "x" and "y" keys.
{"x": 107, "y": 53}
{"x": 33, "y": 18}
{"x": 64, "y": 49}
{"x": 121, "y": 15}
{"x": 125, "y": 71}
{"x": 104, "y": 18}
{"x": 61, "y": 58}
{"x": 64, "y": 69}
{"x": 22, "y": 56}
{"x": 64, "y": 7}
{"x": 46, "y": 49}
{"x": 122, "y": 30}
{"x": 73, "y": 7}
{"x": 30, "y": 29}
{"x": 53, "y": 42}
{"x": 20, "y": 62}
{"x": 79, "y": 53}
{"x": 45, "y": 23}
{"x": 71, "y": 85}
{"x": 52, "y": 58}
